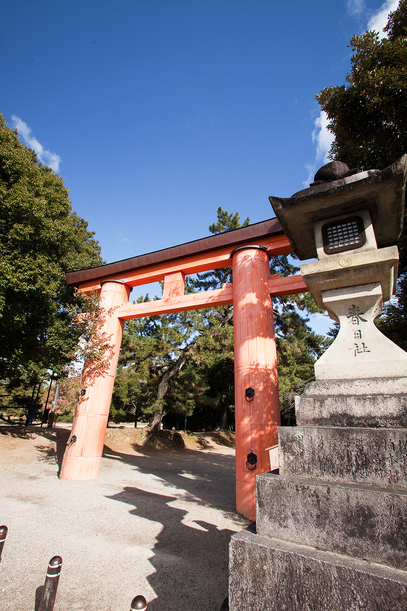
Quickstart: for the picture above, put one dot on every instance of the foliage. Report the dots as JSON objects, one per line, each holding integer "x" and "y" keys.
{"x": 368, "y": 116}
{"x": 298, "y": 347}
{"x": 68, "y": 393}
{"x": 15, "y": 396}
{"x": 41, "y": 239}
{"x": 393, "y": 322}
{"x": 164, "y": 361}
{"x": 94, "y": 350}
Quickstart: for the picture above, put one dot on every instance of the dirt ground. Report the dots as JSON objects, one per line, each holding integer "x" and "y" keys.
{"x": 157, "y": 522}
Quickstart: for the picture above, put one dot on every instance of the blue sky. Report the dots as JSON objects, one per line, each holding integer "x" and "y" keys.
{"x": 156, "y": 112}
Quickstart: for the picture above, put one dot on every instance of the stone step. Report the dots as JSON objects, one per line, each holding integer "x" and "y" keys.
{"x": 376, "y": 402}
{"x": 271, "y": 575}
{"x": 361, "y": 521}
{"x": 376, "y": 457}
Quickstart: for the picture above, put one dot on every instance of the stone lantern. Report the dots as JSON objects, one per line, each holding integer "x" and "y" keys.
{"x": 350, "y": 221}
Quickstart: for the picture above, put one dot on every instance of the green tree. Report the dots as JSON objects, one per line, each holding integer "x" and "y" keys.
{"x": 163, "y": 362}
{"x": 41, "y": 239}
{"x": 368, "y": 117}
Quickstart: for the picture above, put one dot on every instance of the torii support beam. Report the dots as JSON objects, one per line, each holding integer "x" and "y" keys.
{"x": 248, "y": 249}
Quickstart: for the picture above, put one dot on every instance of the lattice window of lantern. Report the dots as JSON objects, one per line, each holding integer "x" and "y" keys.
{"x": 342, "y": 235}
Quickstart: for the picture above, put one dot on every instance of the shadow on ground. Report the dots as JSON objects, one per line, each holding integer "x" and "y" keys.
{"x": 207, "y": 478}
{"x": 189, "y": 557}
{"x": 48, "y": 453}
{"x": 181, "y": 554}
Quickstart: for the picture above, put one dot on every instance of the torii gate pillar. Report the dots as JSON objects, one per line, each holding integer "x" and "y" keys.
{"x": 256, "y": 418}
{"x": 82, "y": 457}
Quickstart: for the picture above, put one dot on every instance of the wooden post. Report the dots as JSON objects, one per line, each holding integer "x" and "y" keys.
{"x": 257, "y": 414}
{"x": 85, "y": 446}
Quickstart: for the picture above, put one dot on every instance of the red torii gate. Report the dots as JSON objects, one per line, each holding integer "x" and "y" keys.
{"x": 256, "y": 421}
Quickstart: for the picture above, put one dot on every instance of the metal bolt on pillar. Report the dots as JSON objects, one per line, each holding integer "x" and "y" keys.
{"x": 138, "y": 603}
{"x": 49, "y": 591}
{"x": 3, "y": 535}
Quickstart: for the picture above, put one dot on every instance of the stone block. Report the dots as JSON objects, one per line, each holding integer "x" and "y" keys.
{"x": 378, "y": 402}
{"x": 271, "y": 575}
{"x": 360, "y": 521}
{"x": 367, "y": 456}
{"x": 351, "y": 269}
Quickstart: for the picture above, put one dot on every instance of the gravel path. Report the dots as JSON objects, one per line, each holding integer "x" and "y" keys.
{"x": 157, "y": 525}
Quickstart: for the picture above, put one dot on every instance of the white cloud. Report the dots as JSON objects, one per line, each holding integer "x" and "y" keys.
{"x": 46, "y": 157}
{"x": 311, "y": 170}
{"x": 355, "y": 7}
{"x": 323, "y": 139}
{"x": 379, "y": 19}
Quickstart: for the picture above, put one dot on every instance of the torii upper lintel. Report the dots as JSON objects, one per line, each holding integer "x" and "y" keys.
{"x": 201, "y": 255}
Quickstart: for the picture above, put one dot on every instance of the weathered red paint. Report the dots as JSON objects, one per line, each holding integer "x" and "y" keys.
{"x": 82, "y": 458}
{"x": 256, "y": 420}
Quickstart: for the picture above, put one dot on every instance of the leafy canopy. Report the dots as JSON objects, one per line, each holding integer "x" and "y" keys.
{"x": 368, "y": 114}
{"x": 41, "y": 239}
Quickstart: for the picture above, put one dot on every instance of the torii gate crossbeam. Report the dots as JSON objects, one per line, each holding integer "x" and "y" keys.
{"x": 256, "y": 421}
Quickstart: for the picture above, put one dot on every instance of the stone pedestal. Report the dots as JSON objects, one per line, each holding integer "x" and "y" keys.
{"x": 360, "y": 350}
{"x": 331, "y": 528}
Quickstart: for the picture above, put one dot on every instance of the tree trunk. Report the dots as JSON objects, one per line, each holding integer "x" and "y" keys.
{"x": 169, "y": 373}
{"x": 156, "y": 421}
{"x": 135, "y": 414}
{"x": 44, "y": 418}
{"x": 223, "y": 418}
{"x": 33, "y": 405}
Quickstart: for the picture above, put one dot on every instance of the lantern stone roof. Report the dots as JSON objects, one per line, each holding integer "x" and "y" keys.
{"x": 380, "y": 191}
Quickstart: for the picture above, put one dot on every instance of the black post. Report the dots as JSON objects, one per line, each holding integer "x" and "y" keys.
{"x": 53, "y": 407}
{"x": 33, "y": 405}
{"x": 49, "y": 591}
{"x": 138, "y": 604}
{"x": 44, "y": 418}
{"x": 31, "y": 409}
{"x": 3, "y": 535}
